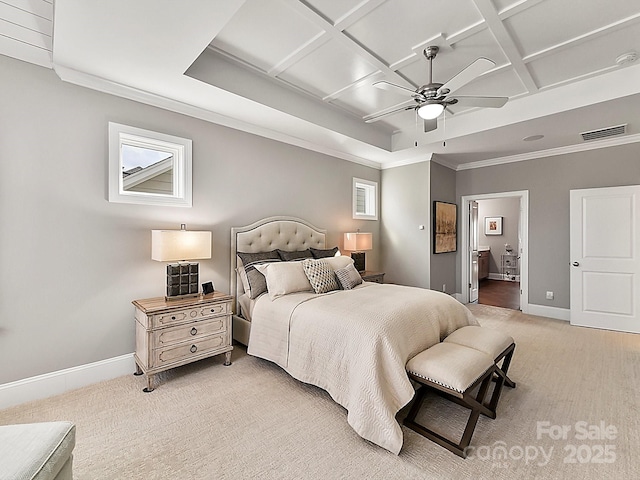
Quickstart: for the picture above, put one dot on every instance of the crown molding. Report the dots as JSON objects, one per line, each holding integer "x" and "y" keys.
{"x": 110, "y": 87}
{"x": 583, "y": 147}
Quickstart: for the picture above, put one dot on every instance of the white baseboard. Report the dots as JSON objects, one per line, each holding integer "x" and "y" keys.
{"x": 55, "y": 383}
{"x": 499, "y": 276}
{"x": 549, "y": 312}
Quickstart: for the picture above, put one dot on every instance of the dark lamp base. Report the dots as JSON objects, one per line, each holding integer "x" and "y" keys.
{"x": 182, "y": 280}
{"x": 358, "y": 261}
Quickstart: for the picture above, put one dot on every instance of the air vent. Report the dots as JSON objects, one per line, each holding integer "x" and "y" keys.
{"x": 604, "y": 132}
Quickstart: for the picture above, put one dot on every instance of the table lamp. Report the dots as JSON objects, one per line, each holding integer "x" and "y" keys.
{"x": 180, "y": 246}
{"x": 357, "y": 243}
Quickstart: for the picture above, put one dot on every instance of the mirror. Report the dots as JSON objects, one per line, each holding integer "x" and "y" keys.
{"x": 148, "y": 167}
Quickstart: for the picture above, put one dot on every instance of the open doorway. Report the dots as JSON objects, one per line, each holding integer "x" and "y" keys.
{"x": 495, "y": 259}
{"x": 498, "y": 252}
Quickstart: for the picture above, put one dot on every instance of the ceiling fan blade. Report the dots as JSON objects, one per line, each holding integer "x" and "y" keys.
{"x": 469, "y": 73}
{"x": 491, "y": 102}
{"x": 430, "y": 125}
{"x": 393, "y": 87}
{"x": 408, "y": 105}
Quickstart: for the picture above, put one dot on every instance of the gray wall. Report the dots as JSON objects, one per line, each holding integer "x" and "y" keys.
{"x": 548, "y": 181}
{"x": 509, "y": 209}
{"x": 408, "y": 193}
{"x": 72, "y": 262}
{"x": 406, "y": 249}
{"x": 443, "y": 265}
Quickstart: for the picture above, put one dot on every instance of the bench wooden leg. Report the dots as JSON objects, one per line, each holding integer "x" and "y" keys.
{"x": 501, "y": 378}
{"x": 475, "y": 404}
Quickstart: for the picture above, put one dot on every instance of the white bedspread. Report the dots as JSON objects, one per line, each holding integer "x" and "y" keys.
{"x": 354, "y": 344}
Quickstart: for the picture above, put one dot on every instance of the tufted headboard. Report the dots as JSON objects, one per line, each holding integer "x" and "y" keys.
{"x": 285, "y": 233}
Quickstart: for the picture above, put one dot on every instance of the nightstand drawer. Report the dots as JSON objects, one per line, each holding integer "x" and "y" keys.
{"x": 190, "y": 314}
{"x": 182, "y": 333}
{"x": 170, "y": 333}
{"x": 183, "y": 351}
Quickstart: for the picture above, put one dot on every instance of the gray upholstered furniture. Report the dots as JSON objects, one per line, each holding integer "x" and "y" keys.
{"x": 38, "y": 451}
{"x": 455, "y": 372}
{"x": 497, "y": 345}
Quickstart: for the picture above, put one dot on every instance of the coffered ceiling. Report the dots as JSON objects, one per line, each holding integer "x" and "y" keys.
{"x": 302, "y": 71}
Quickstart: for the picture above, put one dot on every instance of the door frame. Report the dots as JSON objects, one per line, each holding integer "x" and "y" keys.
{"x": 466, "y": 200}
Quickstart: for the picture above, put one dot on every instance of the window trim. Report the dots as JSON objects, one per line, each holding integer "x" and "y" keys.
{"x": 179, "y": 148}
{"x": 372, "y": 197}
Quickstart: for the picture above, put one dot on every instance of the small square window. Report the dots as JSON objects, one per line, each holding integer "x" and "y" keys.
{"x": 365, "y": 199}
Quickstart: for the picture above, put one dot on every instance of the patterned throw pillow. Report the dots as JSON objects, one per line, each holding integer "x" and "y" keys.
{"x": 348, "y": 277}
{"x": 321, "y": 276}
{"x": 256, "y": 280}
{"x": 319, "y": 253}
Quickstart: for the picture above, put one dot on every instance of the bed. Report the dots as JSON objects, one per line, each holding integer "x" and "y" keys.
{"x": 352, "y": 343}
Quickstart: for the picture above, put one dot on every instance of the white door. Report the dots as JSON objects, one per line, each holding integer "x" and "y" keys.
{"x": 473, "y": 252}
{"x": 605, "y": 258}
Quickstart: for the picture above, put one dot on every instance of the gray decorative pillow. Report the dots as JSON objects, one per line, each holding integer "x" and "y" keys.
{"x": 320, "y": 274}
{"x": 348, "y": 277}
{"x": 256, "y": 280}
{"x": 320, "y": 253}
{"x": 297, "y": 255}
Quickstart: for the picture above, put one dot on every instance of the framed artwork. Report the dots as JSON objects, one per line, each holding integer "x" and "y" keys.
{"x": 445, "y": 220}
{"x": 493, "y": 225}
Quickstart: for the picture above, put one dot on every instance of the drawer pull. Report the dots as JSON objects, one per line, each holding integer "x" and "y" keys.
{"x": 194, "y": 331}
{"x": 213, "y": 310}
{"x": 173, "y": 318}
{"x": 193, "y": 349}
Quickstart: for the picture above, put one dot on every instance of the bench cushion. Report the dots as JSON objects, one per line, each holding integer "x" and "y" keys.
{"x": 486, "y": 340}
{"x": 36, "y": 451}
{"x": 452, "y": 366}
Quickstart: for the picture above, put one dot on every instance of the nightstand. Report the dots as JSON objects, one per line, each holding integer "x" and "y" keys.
{"x": 176, "y": 332}
{"x": 369, "y": 276}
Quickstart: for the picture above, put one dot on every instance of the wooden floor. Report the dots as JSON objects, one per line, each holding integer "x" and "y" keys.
{"x": 499, "y": 294}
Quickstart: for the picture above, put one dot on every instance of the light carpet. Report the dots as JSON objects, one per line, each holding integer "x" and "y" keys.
{"x": 251, "y": 420}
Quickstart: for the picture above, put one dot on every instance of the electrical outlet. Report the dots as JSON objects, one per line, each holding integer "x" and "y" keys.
{"x": 549, "y": 295}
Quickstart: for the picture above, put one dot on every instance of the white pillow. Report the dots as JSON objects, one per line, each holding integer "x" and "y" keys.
{"x": 339, "y": 262}
{"x": 284, "y": 277}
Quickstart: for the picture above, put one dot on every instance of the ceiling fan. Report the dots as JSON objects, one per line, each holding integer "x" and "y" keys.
{"x": 430, "y": 100}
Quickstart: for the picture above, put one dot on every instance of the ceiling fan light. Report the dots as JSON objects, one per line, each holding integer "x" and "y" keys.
{"x": 430, "y": 111}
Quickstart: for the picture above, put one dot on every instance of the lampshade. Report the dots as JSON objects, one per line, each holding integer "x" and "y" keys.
{"x": 357, "y": 242}
{"x": 175, "y": 245}
{"x": 430, "y": 111}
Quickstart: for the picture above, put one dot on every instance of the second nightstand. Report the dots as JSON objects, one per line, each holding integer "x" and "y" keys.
{"x": 176, "y": 332}
{"x": 369, "y": 276}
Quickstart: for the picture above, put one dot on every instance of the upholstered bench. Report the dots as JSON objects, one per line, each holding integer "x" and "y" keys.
{"x": 454, "y": 372}
{"x": 37, "y": 451}
{"x": 494, "y": 343}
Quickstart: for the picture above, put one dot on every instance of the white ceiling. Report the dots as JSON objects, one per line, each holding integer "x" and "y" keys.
{"x": 301, "y": 71}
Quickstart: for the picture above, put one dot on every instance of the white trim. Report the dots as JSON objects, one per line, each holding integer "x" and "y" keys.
{"x": 550, "y": 312}
{"x": 131, "y": 93}
{"x": 500, "y": 276}
{"x": 524, "y": 232}
{"x": 55, "y": 383}
{"x": 582, "y": 147}
{"x": 180, "y": 150}
{"x": 372, "y": 195}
